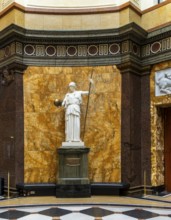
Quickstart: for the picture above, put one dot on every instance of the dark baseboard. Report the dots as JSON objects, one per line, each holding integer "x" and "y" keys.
{"x": 1, "y": 186}
{"x": 139, "y": 191}
{"x": 36, "y": 189}
{"x": 86, "y": 190}
{"x": 158, "y": 190}
{"x": 78, "y": 190}
{"x": 100, "y": 188}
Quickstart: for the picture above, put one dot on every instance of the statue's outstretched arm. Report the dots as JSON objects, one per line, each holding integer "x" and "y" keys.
{"x": 84, "y": 92}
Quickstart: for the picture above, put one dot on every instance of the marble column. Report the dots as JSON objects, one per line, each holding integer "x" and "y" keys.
{"x": 12, "y": 125}
{"x": 145, "y": 125}
{"x": 135, "y": 134}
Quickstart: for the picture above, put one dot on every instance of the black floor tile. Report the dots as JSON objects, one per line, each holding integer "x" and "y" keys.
{"x": 13, "y": 214}
{"x": 55, "y": 212}
{"x": 140, "y": 214}
{"x": 96, "y": 212}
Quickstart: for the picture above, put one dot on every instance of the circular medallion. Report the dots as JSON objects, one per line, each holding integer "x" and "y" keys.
{"x": 155, "y": 47}
{"x": 29, "y": 49}
{"x": 135, "y": 49}
{"x": 50, "y": 51}
{"x": 92, "y": 50}
{"x": 71, "y": 51}
{"x": 114, "y": 48}
{"x": 7, "y": 51}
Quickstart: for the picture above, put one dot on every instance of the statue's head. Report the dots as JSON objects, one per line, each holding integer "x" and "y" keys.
{"x": 72, "y": 86}
{"x": 168, "y": 75}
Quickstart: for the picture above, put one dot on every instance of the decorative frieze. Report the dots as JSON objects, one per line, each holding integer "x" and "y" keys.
{"x": 82, "y": 50}
{"x": 156, "y": 47}
{"x": 72, "y": 51}
{"x": 94, "y": 50}
{"x": 125, "y": 47}
{"x": 19, "y": 48}
{"x": 114, "y": 49}
{"x": 103, "y": 49}
{"x": 50, "y": 51}
{"x": 30, "y": 50}
{"x": 37, "y": 50}
{"x": 40, "y": 50}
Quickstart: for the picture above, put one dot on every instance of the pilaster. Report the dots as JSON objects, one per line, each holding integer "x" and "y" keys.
{"x": 131, "y": 123}
{"x": 12, "y": 123}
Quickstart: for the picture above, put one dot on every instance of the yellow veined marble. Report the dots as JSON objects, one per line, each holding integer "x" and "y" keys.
{"x": 157, "y": 127}
{"x": 44, "y": 123}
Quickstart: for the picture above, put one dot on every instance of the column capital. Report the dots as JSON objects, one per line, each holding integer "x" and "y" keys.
{"x": 134, "y": 68}
{"x": 8, "y": 73}
{"x": 17, "y": 67}
{"x": 146, "y": 70}
{"x": 130, "y": 67}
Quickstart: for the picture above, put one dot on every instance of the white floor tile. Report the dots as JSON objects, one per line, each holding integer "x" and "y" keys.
{"x": 76, "y": 216}
{"x": 33, "y": 209}
{"x": 160, "y": 218}
{"x": 74, "y": 208}
{"x": 118, "y": 217}
{"x": 159, "y": 211}
{"x": 35, "y": 217}
{"x": 117, "y": 209}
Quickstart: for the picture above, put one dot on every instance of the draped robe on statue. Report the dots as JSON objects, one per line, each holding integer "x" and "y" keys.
{"x": 72, "y": 102}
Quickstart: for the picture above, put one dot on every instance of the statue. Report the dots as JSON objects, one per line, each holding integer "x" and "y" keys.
{"x": 164, "y": 83}
{"x": 71, "y": 103}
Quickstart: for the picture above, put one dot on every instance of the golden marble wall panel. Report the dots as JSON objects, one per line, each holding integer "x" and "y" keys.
{"x": 157, "y": 127}
{"x": 44, "y": 122}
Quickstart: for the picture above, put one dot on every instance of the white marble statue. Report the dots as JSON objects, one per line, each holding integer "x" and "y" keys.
{"x": 163, "y": 82}
{"x": 71, "y": 103}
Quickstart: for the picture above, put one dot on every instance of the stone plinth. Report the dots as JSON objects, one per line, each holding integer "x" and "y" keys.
{"x": 73, "y": 145}
{"x": 73, "y": 178}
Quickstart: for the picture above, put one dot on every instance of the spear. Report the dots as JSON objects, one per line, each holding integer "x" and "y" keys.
{"x": 89, "y": 90}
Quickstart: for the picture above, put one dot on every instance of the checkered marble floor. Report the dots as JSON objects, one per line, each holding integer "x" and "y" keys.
{"x": 84, "y": 212}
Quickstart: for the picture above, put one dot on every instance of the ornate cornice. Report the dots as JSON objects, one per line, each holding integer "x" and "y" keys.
{"x": 130, "y": 31}
{"x": 75, "y": 48}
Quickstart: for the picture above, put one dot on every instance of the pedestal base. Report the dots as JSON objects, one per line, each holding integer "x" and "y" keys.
{"x": 73, "y": 178}
{"x": 73, "y": 191}
{"x": 75, "y": 144}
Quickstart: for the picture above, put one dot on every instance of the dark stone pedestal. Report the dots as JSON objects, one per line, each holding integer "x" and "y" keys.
{"x": 73, "y": 191}
{"x": 73, "y": 178}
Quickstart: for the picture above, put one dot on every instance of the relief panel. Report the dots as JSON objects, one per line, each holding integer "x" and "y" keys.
{"x": 163, "y": 82}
